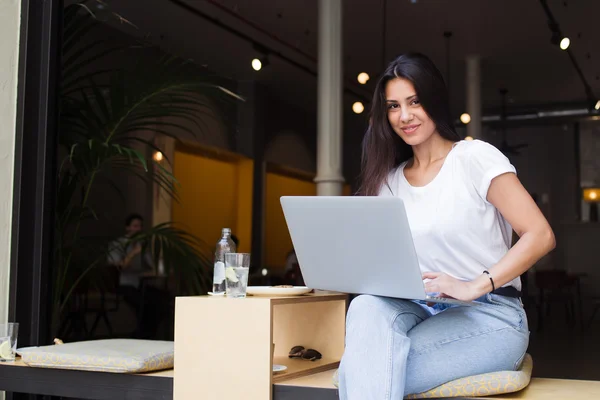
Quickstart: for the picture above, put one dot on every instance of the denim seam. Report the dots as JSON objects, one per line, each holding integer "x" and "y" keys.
{"x": 392, "y": 332}
{"x": 519, "y": 361}
{"x": 390, "y": 347}
{"x": 388, "y": 389}
{"x": 423, "y": 349}
{"x": 520, "y": 312}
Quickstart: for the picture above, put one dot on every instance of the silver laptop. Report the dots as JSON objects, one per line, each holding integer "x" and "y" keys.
{"x": 357, "y": 245}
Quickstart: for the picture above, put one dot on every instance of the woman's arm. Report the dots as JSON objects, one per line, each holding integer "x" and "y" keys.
{"x": 536, "y": 239}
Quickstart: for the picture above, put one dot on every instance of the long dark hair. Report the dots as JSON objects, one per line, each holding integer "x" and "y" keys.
{"x": 382, "y": 149}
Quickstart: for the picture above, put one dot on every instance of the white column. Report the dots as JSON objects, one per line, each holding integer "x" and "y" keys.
{"x": 474, "y": 96}
{"x": 10, "y": 12}
{"x": 329, "y": 134}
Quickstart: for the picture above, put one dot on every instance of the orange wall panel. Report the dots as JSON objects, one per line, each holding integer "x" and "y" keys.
{"x": 214, "y": 194}
{"x": 277, "y": 238}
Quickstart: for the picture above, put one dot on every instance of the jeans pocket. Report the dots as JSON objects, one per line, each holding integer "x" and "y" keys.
{"x": 511, "y": 302}
{"x": 511, "y": 308}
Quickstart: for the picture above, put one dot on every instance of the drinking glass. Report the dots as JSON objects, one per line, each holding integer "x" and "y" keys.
{"x": 8, "y": 341}
{"x": 237, "y": 266}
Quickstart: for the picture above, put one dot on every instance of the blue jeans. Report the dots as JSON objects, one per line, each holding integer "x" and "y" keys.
{"x": 397, "y": 347}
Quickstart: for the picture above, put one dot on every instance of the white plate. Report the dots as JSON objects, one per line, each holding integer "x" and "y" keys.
{"x": 276, "y": 291}
{"x": 279, "y": 368}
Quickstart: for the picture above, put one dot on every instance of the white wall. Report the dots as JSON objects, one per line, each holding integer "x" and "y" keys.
{"x": 10, "y": 11}
{"x": 9, "y": 57}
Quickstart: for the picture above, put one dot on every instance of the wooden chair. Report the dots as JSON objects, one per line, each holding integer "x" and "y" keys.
{"x": 105, "y": 293}
{"x": 555, "y": 286}
{"x": 596, "y": 301}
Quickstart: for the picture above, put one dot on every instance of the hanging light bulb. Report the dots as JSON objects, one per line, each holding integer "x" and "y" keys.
{"x": 564, "y": 43}
{"x": 256, "y": 64}
{"x": 597, "y": 106}
{"x": 465, "y": 118}
{"x": 358, "y": 107}
{"x": 468, "y": 138}
{"x": 363, "y": 78}
{"x": 158, "y": 156}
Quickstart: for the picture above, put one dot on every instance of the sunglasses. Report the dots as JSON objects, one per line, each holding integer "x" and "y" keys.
{"x": 304, "y": 354}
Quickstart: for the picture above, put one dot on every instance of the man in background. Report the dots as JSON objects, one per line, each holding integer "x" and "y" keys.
{"x": 133, "y": 264}
{"x": 128, "y": 256}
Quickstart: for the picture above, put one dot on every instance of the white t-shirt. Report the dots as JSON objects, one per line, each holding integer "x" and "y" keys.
{"x": 454, "y": 228}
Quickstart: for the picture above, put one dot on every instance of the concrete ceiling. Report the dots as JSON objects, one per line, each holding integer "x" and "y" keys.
{"x": 511, "y": 36}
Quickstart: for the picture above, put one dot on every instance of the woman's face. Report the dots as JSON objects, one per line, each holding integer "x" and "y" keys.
{"x": 405, "y": 113}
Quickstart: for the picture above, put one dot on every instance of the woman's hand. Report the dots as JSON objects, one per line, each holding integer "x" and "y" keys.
{"x": 448, "y": 286}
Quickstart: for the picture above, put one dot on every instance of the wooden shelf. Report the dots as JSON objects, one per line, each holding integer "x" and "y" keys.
{"x": 214, "y": 335}
{"x": 322, "y": 380}
{"x": 298, "y": 368}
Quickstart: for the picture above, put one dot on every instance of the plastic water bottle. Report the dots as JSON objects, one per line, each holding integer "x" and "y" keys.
{"x": 224, "y": 245}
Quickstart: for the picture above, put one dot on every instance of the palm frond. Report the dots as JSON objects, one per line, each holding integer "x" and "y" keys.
{"x": 109, "y": 119}
{"x": 183, "y": 254}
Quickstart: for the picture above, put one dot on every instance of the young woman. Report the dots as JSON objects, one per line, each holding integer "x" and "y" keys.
{"x": 463, "y": 199}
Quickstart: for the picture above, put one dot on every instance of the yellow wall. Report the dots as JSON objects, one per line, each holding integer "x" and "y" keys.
{"x": 277, "y": 238}
{"x": 217, "y": 193}
{"x": 214, "y": 194}
{"x": 346, "y": 190}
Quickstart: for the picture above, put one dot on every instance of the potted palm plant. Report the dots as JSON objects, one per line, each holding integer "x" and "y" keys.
{"x": 105, "y": 115}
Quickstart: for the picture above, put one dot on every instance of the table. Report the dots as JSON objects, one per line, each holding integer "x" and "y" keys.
{"x": 19, "y": 378}
{"x": 226, "y": 348}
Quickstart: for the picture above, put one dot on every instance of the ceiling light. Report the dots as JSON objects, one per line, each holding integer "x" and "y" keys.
{"x": 158, "y": 156}
{"x": 363, "y": 78}
{"x": 358, "y": 107}
{"x": 465, "y": 118}
{"x": 469, "y": 138}
{"x": 564, "y": 43}
{"x": 597, "y": 106}
{"x": 256, "y": 64}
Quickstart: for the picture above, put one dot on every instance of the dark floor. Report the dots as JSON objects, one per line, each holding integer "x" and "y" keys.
{"x": 563, "y": 351}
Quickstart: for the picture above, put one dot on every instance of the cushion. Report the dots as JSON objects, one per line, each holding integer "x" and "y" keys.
{"x": 111, "y": 355}
{"x": 489, "y": 384}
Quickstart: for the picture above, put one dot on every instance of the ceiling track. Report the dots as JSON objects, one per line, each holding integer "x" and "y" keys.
{"x": 271, "y": 52}
{"x": 541, "y": 115}
{"x": 555, "y": 28}
{"x": 260, "y": 29}
{"x": 575, "y": 112}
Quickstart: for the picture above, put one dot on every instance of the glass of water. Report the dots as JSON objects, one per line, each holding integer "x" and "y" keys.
{"x": 8, "y": 341}
{"x": 237, "y": 266}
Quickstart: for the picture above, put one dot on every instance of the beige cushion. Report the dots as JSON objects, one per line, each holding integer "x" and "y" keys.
{"x": 112, "y": 355}
{"x": 489, "y": 384}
